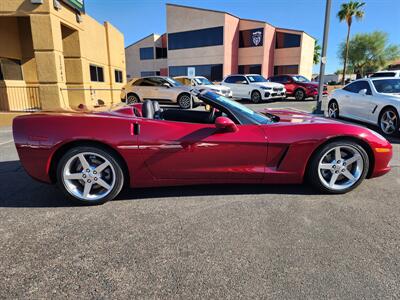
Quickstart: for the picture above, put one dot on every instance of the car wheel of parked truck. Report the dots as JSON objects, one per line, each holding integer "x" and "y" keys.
{"x": 89, "y": 175}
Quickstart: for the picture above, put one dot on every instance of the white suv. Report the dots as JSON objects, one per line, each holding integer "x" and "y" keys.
{"x": 201, "y": 83}
{"x": 254, "y": 87}
{"x": 393, "y": 73}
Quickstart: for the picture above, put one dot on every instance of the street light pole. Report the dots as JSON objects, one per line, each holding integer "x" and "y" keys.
{"x": 318, "y": 109}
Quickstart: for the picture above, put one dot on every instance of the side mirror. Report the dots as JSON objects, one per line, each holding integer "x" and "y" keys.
{"x": 225, "y": 124}
{"x": 243, "y": 82}
{"x": 363, "y": 92}
{"x": 167, "y": 85}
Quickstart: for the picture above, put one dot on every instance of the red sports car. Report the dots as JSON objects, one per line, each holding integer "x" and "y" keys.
{"x": 298, "y": 86}
{"x": 92, "y": 156}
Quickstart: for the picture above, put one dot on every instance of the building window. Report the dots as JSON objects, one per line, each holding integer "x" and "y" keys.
{"x": 290, "y": 69}
{"x": 249, "y": 69}
{"x": 118, "y": 76}
{"x": 212, "y": 72}
{"x": 96, "y": 73}
{"x": 146, "y": 53}
{"x": 251, "y": 38}
{"x": 287, "y": 40}
{"x": 10, "y": 69}
{"x": 161, "y": 52}
{"x": 196, "y": 38}
{"x": 147, "y": 73}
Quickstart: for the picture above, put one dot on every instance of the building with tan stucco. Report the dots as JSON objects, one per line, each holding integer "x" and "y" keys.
{"x": 217, "y": 44}
{"x": 54, "y": 56}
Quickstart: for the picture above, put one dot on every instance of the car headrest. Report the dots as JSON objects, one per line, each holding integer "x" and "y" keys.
{"x": 148, "y": 109}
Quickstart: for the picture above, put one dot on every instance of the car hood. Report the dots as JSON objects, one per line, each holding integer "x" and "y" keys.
{"x": 269, "y": 84}
{"x": 295, "y": 116}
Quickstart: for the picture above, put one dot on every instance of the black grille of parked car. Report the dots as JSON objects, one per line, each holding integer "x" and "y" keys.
{"x": 278, "y": 89}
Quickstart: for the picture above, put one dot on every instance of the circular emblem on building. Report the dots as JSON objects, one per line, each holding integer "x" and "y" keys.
{"x": 257, "y": 38}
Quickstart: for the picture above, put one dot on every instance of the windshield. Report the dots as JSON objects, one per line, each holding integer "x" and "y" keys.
{"x": 256, "y": 78}
{"x": 300, "y": 79}
{"x": 387, "y": 86}
{"x": 239, "y": 110}
{"x": 173, "y": 82}
{"x": 202, "y": 81}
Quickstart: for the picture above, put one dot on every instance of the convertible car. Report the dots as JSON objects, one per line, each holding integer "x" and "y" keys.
{"x": 92, "y": 156}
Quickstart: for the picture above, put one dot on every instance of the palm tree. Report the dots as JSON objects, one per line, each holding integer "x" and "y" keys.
{"x": 317, "y": 52}
{"x": 346, "y": 13}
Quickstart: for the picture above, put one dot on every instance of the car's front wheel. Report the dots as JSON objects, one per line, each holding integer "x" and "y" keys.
{"x": 338, "y": 167}
{"x": 389, "y": 121}
{"x": 90, "y": 175}
{"x": 184, "y": 101}
{"x": 255, "y": 97}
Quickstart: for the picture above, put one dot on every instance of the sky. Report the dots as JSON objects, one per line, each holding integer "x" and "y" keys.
{"x": 137, "y": 19}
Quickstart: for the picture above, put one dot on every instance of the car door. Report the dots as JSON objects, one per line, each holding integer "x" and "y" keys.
{"x": 237, "y": 86}
{"x": 364, "y": 104}
{"x": 353, "y": 104}
{"x": 144, "y": 87}
{"x": 191, "y": 151}
{"x": 163, "y": 90}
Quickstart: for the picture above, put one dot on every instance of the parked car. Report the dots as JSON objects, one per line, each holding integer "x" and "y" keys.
{"x": 393, "y": 73}
{"x": 202, "y": 83}
{"x": 253, "y": 87}
{"x": 298, "y": 86}
{"x": 160, "y": 88}
{"x": 91, "y": 156}
{"x": 372, "y": 100}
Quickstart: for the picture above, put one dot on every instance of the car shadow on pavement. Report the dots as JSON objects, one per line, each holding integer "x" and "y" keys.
{"x": 18, "y": 190}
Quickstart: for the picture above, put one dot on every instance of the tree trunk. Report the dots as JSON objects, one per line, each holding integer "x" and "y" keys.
{"x": 347, "y": 54}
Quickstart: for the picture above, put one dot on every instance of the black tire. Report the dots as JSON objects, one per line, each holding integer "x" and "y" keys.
{"x": 382, "y": 118}
{"x": 313, "y": 175}
{"x": 333, "y": 109}
{"x": 115, "y": 162}
{"x": 184, "y": 101}
{"x": 299, "y": 95}
{"x": 256, "y": 97}
{"x": 132, "y": 98}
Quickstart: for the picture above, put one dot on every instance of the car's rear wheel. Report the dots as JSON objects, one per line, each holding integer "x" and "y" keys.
{"x": 338, "y": 167}
{"x": 299, "y": 95}
{"x": 389, "y": 121}
{"x": 333, "y": 109}
{"x": 132, "y": 99}
{"x": 255, "y": 97}
{"x": 90, "y": 175}
{"x": 184, "y": 101}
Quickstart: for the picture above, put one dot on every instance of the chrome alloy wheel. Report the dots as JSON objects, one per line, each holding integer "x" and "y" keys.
{"x": 184, "y": 101}
{"x": 88, "y": 176}
{"x": 388, "y": 122}
{"x": 333, "y": 110}
{"x": 340, "y": 167}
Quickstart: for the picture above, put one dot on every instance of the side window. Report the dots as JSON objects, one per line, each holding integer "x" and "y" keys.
{"x": 365, "y": 85}
{"x": 240, "y": 79}
{"x": 147, "y": 82}
{"x": 229, "y": 79}
{"x": 352, "y": 87}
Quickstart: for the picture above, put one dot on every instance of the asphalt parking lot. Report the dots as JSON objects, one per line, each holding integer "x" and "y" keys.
{"x": 200, "y": 242}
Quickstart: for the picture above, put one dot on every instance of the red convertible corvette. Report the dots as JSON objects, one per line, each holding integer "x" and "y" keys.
{"x": 92, "y": 156}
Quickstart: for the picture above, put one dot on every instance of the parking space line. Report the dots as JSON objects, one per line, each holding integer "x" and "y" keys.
{"x": 10, "y": 141}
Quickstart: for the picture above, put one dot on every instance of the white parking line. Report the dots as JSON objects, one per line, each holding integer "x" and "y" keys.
{"x": 10, "y": 141}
